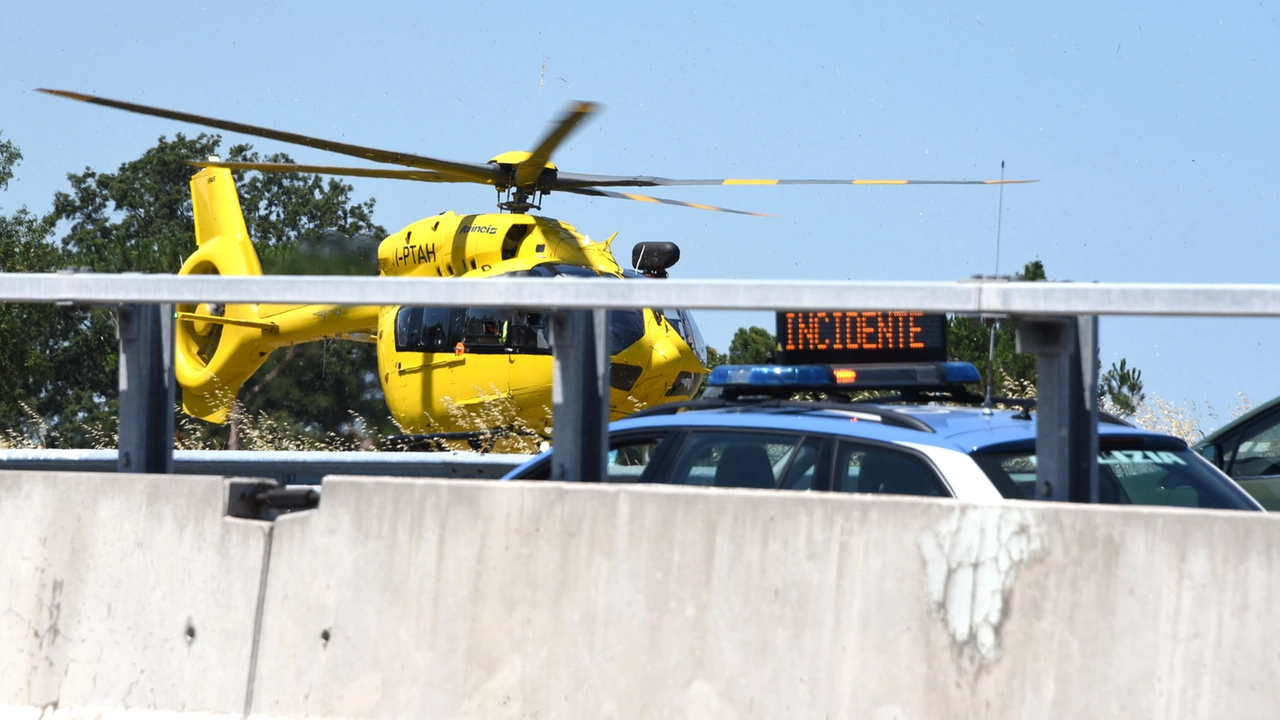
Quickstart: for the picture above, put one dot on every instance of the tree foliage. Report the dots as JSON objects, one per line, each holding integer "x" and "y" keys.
{"x": 62, "y": 361}
{"x": 44, "y": 348}
{"x": 1122, "y": 385}
{"x": 752, "y": 346}
{"x": 969, "y": 340}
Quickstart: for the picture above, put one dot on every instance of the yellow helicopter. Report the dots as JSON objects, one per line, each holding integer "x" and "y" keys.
{"x": 435, "y": 362}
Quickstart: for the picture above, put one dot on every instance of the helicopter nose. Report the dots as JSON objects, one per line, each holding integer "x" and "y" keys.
{"x": 665, "y": 352}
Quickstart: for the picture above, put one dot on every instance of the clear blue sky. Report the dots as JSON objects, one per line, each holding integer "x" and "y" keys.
{"x": 1151, "y": 126}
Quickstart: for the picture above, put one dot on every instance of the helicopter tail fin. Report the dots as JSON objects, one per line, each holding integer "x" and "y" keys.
{"x": 217, "y": 348}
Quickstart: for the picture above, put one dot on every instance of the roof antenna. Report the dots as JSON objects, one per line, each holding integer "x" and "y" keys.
{"x": 987, "y": 403}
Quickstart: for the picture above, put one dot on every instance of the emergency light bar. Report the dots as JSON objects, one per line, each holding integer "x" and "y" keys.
{"x": 880, "y": 376}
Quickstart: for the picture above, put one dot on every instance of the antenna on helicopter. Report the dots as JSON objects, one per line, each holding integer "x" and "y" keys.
{"x": 991, "y": 325}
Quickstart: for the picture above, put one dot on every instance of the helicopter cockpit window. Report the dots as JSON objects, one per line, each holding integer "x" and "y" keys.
{"x": 626, "y": 328}
{"x": 682, "y": 322}
{"x": 424, "y": 329}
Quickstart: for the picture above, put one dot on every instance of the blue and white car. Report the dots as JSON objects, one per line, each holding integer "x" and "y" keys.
{"x": 752, "y": 435}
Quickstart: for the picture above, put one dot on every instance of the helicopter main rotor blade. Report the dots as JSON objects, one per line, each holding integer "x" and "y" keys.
{"x": 566, "y": 181}
{"x": 419, "y": 175}
{"x": 475, "y": 172}
{"x": 528, "y": 171}
{"x": 593, "y": 192}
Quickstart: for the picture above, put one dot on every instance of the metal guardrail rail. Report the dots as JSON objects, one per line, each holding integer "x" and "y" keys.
{"x": 285, "y": 467}
{"x": 986, "y": 296}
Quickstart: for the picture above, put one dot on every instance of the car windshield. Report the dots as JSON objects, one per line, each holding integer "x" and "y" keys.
{"x": 1133, "y": 473}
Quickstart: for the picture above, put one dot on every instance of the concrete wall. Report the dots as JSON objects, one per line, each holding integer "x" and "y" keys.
{"x": 125, "y": 591}
{"x": 523, "y": 600}
{"x": 406, "y": 599}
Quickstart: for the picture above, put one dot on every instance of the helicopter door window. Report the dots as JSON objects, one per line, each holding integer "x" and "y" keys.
{"x": 531, "y": 333}
{"x": 423, "y": 329}
{"x": 486, "y": 329}
{"x": 408, "y": 328}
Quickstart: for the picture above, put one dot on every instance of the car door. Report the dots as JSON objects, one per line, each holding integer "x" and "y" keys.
{"x": 1255, "y": 462}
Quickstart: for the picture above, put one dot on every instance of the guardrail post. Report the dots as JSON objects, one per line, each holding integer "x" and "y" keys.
{"x": 1066, "y": 405}
{"x": 579, "y": 394}
{"x": 146, "y": 388}
{"x": 1086, "y": 490}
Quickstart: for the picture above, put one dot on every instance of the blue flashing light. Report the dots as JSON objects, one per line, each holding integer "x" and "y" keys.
{"x": 769, "y": 376}
{"x": 958, "y": 373}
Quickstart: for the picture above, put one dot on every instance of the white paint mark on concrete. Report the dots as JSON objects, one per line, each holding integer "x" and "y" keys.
{"x": 702, "y": 701}
{"x": 971, "y": 560}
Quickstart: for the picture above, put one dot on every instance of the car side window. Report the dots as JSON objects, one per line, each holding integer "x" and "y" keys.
{"x": 871, "y": 469}
{"x": 803, "y": 467}
{"x": 1258, "y": 454}
{"x": 740, "y": 460}
{"x": 630, "y": 458}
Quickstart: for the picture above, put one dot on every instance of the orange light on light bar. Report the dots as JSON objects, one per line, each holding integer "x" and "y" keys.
{"x": 845, "y": 376}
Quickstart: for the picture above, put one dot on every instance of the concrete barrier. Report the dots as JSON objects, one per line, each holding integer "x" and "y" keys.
{"x": 403, "y": 598}
{"x": 125, "y": 592}
{"x": 131, "y": 596}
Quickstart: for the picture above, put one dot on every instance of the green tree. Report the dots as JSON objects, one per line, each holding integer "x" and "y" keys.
{"x": 1122, "y": 385}
{"x": 752, "y": 346}
{"x": 715, "y": 359}
{"x": 969, "y": 340}
{"x": 44, "y": 349}
{"x": 749, "y": 346}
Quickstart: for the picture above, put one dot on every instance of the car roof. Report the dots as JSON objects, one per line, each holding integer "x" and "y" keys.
{"x": 966, "y": 429}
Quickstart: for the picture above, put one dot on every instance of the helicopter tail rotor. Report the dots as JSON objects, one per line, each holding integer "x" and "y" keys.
{"x": 218, "y": 347}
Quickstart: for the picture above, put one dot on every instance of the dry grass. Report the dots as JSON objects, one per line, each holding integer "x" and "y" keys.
{"x": 496, "y": 425}
{"x": 1190, "y": 421}
{"x": 30, "y": 437}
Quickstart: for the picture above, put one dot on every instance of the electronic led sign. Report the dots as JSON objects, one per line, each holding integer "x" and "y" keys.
{"x": 857, "y": 336}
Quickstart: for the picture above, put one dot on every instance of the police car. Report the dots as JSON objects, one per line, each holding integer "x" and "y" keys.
{"x": 748, "y": 432}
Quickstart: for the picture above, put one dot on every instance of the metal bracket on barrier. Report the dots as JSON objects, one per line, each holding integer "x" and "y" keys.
{"x": 266, "y": 500}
